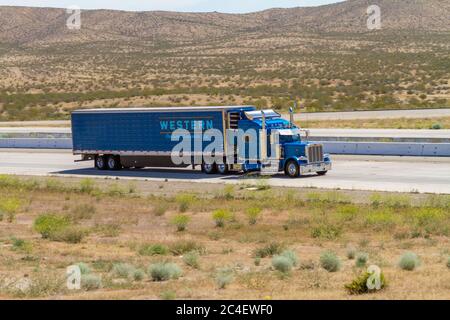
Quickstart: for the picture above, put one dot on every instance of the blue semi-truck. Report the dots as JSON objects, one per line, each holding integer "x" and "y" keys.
{"x": 143, "y": 137}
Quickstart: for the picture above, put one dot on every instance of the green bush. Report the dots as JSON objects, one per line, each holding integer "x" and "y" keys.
{"x": 84, "y": 268}
{"x": 138, "y": 275}
{"x": 164, "y": 271}
{"x": 123, "y": 270}
{"x": 184, "y": 201}
{"x": 221, "y": 216}
{"x": 224, "y": 277}
{"x": 330, "y": 261}
{"x": 361, "y": 259}
{"x": 253, "y": 213}
{"x": 326, "y": 231}
{"x": 49, "y": 224}
{"x": 168, "y": 295}
{"x": 282, "y": 264}
{"x": 90, "y": 282}
{"x": 153, "y": 250}
{"x": 359, "y": 285}
{"x": 21, "y": 245}
{"x": 191, "y": 259}
{"x": 180, "y": 221}
{"x": 70, "y": 234}
{"x": 291, "y": 255}
{"x": 181, "y": 247}
{"x": 269, "y": 250}
{"x": 409, "y": 261}
{"x": 9, "y": 207}
{"x": 436, "y": 126}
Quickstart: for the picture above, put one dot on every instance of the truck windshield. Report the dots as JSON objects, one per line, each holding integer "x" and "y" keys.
{"x": 290, "y": 138}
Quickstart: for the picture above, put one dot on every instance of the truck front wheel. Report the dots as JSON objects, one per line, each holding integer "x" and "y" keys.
{"x": 114, "y": 163}
{"x": 292, "y": 169}
{"x": 322, "y": 173}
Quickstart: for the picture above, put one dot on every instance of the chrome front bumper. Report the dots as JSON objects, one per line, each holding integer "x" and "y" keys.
{"x": 314, "y": 167}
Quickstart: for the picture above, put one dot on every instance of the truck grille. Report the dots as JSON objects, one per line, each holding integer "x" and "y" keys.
{"x": 315, "y": 153}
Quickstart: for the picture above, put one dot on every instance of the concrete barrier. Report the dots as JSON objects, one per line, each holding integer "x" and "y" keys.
{"x": 36, "y": 143}
{"x": 333, "y": 147}
{"x": 388, "y": 148}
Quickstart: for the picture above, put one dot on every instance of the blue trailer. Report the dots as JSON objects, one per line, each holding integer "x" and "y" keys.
{"x": 142, "y": 137}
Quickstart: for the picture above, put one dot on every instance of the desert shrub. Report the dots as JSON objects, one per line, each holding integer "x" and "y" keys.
{"x": 351, "y": 252}
{"x": 330, "y": 261}
{"x": 347, "y": 212}
{"x": 90, "y": 282}
{"x": 49, "y": 224}
{"x": 228, "y": 192}
{"x": 115, "y": 190}
{"x": 291, "y": 255}
{"x": 181, "y": 247}
{"x": 269, "y": 250}
{"x": 168, "y": 295}
{"x": 160, "y": 209}
{"x": 448, "y": 262}
{"x": 123, "y": 270}
{"x": 21, "y": 245}
{"x": 180, "y": 221}
{"x": 185, "y": 200}
{"x": 70, "y": 234}
{"x": 382, "y": 219}
{"x": 9, "y": 207}
{"x": 253, "y": 213}
{"x": 359, "y": 285}
{"x": 108, "y": 229}
{"x": 221, "y": 216}
{"x": 153, "y": 250}
{"x": 282, "y": 264}
{"x": 326, "y": 231}
{"x": 409, "y": 261}
{"x": 257, "y": 261}
{"x": 361, "y": 259}
{"x": 83, "y": 211}
{"x": 138, "y": 275}
{"x": 436, "y": 126}
{"x": 224, "y": 277}
{"x": 164, "y": 271}
{"x": 41, "y": 284}
{"x": 191, "y": 259}
{"x": 84, "y": 268}
{"x": 87, "y": 185}
{"x": 392, "y": 200}
{"x": 430, "y": 220}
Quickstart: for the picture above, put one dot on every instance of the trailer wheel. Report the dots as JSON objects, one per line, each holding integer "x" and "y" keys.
{"x": 223, "y": 168}
{"x": 292, "y": 169}
{"x": 114, "y": 163}
{"x": 209, "y": 168}
{"x": 100, "y": 162}
{"x": 322, "y": 173}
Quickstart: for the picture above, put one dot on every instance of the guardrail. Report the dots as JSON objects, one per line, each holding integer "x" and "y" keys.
{"x": 333, "y": 147}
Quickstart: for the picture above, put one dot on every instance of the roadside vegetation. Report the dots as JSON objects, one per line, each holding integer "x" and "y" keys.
{"x": 401, "y": 123}
{"x": 224, "y": 242}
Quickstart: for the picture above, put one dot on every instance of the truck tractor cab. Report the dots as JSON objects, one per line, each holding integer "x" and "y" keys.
{"x": 295, "y": 155}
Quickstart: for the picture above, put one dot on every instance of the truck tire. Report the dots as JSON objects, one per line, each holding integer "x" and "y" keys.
{"x": 223, "y": 168}
{"x": 322, "y": 173}
{"x": 100, "y": 162}
{"x": 291, "y": 169}
{"x": 113, "y": 163}
{"x": 209, "y": 168}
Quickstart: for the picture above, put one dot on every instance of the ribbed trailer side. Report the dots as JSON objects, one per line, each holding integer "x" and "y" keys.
{"x": 137, "y": 132}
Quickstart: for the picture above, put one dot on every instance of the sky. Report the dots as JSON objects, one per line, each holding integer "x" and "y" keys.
{"x": 229, "y": 6}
